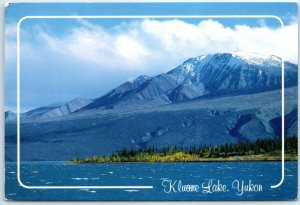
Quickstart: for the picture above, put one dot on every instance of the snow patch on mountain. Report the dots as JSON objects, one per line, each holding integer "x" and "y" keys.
{"x": 66, "y": 109}
{"x": 259, "y": 59}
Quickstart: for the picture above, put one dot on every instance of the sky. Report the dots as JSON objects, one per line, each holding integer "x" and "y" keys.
{"x": 62, "y": 59}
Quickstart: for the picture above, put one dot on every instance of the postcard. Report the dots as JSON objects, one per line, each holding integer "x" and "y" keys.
{"x": 151, "y": 101}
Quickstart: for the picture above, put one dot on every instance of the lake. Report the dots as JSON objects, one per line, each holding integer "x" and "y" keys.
{"x": 170, "y": 181}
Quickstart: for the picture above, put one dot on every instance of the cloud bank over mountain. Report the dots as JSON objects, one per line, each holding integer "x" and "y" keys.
{"x": 81, "y": 59}
{"x": 167, "y": 41}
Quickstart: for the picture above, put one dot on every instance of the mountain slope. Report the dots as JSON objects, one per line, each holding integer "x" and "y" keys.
{"x": 214, "y": 121}
{"x": 208, "y": 100}
{"x": 56, "y": 111}
{"x": 201, "y": 76}
{"x": 10, "y": 116}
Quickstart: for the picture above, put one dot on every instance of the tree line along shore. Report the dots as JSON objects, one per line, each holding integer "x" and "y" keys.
{"x": 259, "y": 150}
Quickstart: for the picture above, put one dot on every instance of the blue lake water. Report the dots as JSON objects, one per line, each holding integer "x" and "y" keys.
{"x": 150, "y": 174}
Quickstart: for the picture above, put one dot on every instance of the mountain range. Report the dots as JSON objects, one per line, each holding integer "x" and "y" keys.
{"x": 200, "y": 76}
{"x": 51, "y": 111}
{"x": 210, "y": 99}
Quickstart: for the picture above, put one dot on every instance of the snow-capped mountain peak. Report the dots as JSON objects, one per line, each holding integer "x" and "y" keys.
{"x": 199, "y": 76}
{"x": 258, "y": 59}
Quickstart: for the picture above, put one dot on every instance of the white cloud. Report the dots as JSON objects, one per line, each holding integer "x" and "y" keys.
{"x": 162, "y": 45}
{"x": 11, "y": 45}
{"x": 148, "y": 43}
{"x": 10, "y": 42}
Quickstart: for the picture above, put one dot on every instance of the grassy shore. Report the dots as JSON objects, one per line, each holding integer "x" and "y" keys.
{"x": 182, "y": 157}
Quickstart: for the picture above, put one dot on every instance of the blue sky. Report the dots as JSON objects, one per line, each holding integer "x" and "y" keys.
{"x": 66, "y": 58}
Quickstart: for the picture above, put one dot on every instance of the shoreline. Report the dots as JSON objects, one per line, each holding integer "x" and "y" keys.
{"x": 249, "y": 158}
{"x": 206, "y": 161}
{"x": 259, "y": 150}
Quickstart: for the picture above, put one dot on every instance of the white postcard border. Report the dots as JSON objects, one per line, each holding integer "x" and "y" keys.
{"x": 132, "y": 17}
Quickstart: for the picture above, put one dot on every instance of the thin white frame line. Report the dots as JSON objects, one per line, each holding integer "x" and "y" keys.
{"x": 133, "y": 17}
